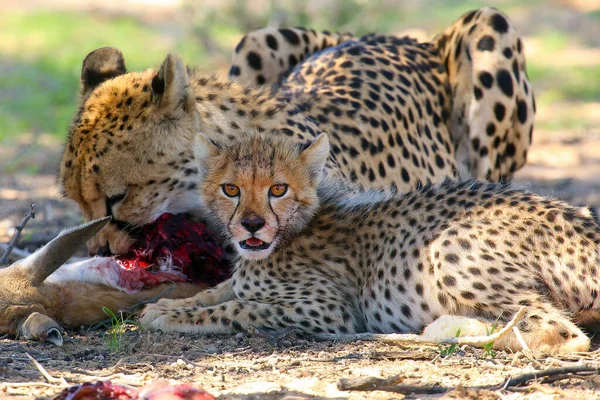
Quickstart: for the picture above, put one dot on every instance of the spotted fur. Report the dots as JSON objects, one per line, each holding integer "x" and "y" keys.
{"x": 397, "y": 263}
{"x": 490, "y": 100}
{"x": 386, "y": 102}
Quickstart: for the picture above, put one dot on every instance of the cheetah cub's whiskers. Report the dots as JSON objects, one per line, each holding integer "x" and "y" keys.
{"x": 315, "y": 257}
{"x": 268, "y": 204}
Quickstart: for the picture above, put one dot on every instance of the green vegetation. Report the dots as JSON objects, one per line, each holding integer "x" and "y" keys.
{"x": 451, "y": 349}
{"x": 117, "y": 329}
{"x": 572, "y": 84}
{"x": 489, "y": 347}
{"x": 40, "y": 61}
{"x": 41, "y": 51}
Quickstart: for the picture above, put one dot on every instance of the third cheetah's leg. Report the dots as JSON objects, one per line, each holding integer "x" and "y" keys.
{"x": 266, "y": 55}
{"x": 238, "y": 315}
{"x": 492, "y": 100}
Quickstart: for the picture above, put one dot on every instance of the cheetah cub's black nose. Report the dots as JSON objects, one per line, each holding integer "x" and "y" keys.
{"x": 253, "y": 224}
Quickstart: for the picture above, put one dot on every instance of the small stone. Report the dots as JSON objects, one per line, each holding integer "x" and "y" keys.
{"x": 272, "y": 361}
{"x": 212, "y": 350}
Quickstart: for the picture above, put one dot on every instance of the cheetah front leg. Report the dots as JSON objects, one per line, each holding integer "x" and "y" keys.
{"x": 238, "y": 315}
{"x": 219, "y": 294}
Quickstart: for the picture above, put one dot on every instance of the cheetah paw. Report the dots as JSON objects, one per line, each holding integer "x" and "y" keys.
{"x": 155, "y": 317}
{"x": 166, "y": 302}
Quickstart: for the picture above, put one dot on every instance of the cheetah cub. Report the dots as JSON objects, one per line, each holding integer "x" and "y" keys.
{"x": 318, "y": 259}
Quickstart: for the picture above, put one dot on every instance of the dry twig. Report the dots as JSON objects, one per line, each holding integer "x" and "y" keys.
{"x": 49, "y": 378}
{"x": 15, "y": 252}
{"x": 28, "y": 384}
{"x": 17, "y": 235}
{"x": 373, "y": 383}
{"x": 122, "y": 360}
{"x": 403, "y": 355}
{"x": 387, "y": 385}
{"x": 399, "y": 338}
{"x": 567, "y": 372}
{"x": 536, "y": 387}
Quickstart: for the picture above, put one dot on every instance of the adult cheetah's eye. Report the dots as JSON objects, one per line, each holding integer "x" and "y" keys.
{"x": 231, "y": 190}
{"x": 278, "y": 190}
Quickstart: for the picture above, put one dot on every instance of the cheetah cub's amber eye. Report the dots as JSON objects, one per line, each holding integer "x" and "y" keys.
{"x": 278, "y": 190}
{"x": 231, "y": 190}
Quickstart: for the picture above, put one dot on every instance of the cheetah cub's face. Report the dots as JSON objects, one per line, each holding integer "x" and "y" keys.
{"x": 262, "y": 188}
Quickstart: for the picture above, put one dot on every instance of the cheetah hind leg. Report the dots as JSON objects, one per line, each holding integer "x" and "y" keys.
{"x": 545, "y": 329}
{"x": 492, "y": 115}
{"x": 485, "y": 286}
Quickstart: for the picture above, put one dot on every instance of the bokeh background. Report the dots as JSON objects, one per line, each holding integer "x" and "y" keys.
{"x": 42, "y": 44}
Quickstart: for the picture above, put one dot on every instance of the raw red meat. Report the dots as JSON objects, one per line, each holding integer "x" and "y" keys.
{"x": 100, "y": 390}
{"x": 106, "y": 390}
{"x": 189, "y": 245}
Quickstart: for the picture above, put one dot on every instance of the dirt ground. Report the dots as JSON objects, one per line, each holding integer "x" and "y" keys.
{"x": 246, "y": 367}
{"x": 564, "y": 164}
{"x": 258, "y": 367}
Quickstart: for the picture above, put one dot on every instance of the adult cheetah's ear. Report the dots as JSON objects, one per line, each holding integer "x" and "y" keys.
{"x": 171, "y": 86}
{"x": 204, "y": 149}
{"x": 100, "y": 65}
{"x": 315, "y": 156}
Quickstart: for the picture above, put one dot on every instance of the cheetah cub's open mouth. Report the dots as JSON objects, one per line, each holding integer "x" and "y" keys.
{"x": 254, "y": 244}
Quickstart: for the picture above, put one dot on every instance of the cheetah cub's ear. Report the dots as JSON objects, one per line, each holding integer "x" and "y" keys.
{"x": 171, "y": 86}
{"x": 101, "y": 65}
{"x": 315, "y": 156}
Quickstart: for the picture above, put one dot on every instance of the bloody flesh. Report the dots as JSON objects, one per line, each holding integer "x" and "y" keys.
{"x": 106, "y": 390}
{"x": 188, "y": 245}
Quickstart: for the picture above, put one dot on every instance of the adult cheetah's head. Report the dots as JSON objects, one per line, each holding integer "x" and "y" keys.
{"x": 129, "y": 151}
{"x": 261, "y": 188}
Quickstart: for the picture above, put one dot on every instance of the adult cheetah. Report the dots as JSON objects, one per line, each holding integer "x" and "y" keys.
{"x": 320, "y": 259}
{"x": 492, "y": 107}
{"x": 399, "y": 113}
